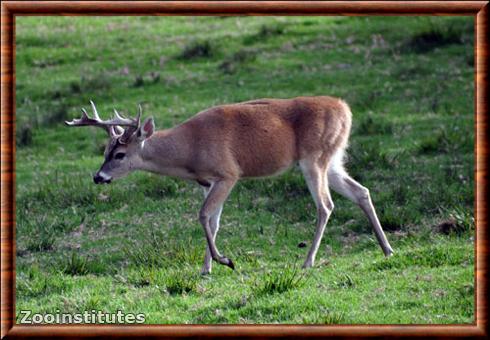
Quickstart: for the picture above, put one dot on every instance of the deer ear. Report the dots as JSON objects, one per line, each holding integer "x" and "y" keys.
{"x": 146, "y": 129}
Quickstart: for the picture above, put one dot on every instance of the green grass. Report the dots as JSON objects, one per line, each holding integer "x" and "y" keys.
{"x": 279, "y": 281}
{"x": 137, "y": 245}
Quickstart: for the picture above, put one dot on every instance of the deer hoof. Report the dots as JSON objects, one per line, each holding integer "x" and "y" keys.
{"x": 230, "y": 264}
{"x": 224, "y": 260}
{"x": 227, "y": 262}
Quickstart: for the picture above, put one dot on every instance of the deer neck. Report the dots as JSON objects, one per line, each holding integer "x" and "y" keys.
{"x": 163, "y": 153}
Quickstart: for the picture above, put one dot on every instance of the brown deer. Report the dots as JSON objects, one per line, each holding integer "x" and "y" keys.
{"x": 223, "y": 144}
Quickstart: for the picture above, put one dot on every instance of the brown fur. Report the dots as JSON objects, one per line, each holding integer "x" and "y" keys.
{"x": 250, "y": 139}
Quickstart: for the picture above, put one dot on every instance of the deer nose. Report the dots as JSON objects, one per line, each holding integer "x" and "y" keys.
{"x": 98, "y": 179}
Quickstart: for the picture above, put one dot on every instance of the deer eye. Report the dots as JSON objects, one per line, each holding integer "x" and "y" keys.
{"x": 119, "y": 155}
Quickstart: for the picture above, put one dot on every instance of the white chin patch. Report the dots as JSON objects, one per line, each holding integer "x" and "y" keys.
{"x": 105, "y": 176}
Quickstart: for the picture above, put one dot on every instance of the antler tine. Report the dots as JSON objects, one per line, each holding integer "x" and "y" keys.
{"x": 96, "y": 114}
{"x": 115, "y": 131}
{"x": 116, "y": 114}
{"x": 136, "y": 120}
{"x": 82, "y": 121}
{"x": 130, "y": 131}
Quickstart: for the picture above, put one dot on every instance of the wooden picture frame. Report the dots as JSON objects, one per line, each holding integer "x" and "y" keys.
{"x": 11, "y": 9}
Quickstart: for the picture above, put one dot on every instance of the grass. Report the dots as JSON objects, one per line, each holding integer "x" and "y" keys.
{"x": 182, "y": 282}
{"x": 280, "y": 281}
{"x": 197, "y": 49}
{"x": 136, "y": 245}
{"x": 79, "y": 265}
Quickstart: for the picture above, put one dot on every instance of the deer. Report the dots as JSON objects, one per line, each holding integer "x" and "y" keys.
{"x": 253, "y": 139}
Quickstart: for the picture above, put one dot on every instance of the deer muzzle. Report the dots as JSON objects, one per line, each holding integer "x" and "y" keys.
{"x": 101, "y": 178}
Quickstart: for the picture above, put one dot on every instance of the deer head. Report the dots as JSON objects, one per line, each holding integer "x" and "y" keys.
{"x": 126, "y": 137}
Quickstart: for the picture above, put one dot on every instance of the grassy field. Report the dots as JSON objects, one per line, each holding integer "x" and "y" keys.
{"x": 137, "y": 246}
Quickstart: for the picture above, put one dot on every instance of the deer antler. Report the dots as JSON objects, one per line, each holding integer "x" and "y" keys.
{"x": 112, "y": 126}
{"x": 131, "y": 129}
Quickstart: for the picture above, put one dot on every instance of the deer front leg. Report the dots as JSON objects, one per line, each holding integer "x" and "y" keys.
{"x": 212, "y": 204}
{"x": 214, "y": 224}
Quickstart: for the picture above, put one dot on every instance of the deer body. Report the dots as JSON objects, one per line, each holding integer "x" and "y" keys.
{"x": 251, "y": 139}
{"x": 258, "y": 138}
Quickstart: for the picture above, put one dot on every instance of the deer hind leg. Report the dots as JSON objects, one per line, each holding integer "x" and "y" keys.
{"x": 314, "y": 173}
{"x": 211, "y": 207}
{"x": 343, "y": 184}
{"x": 214, "y": 224}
